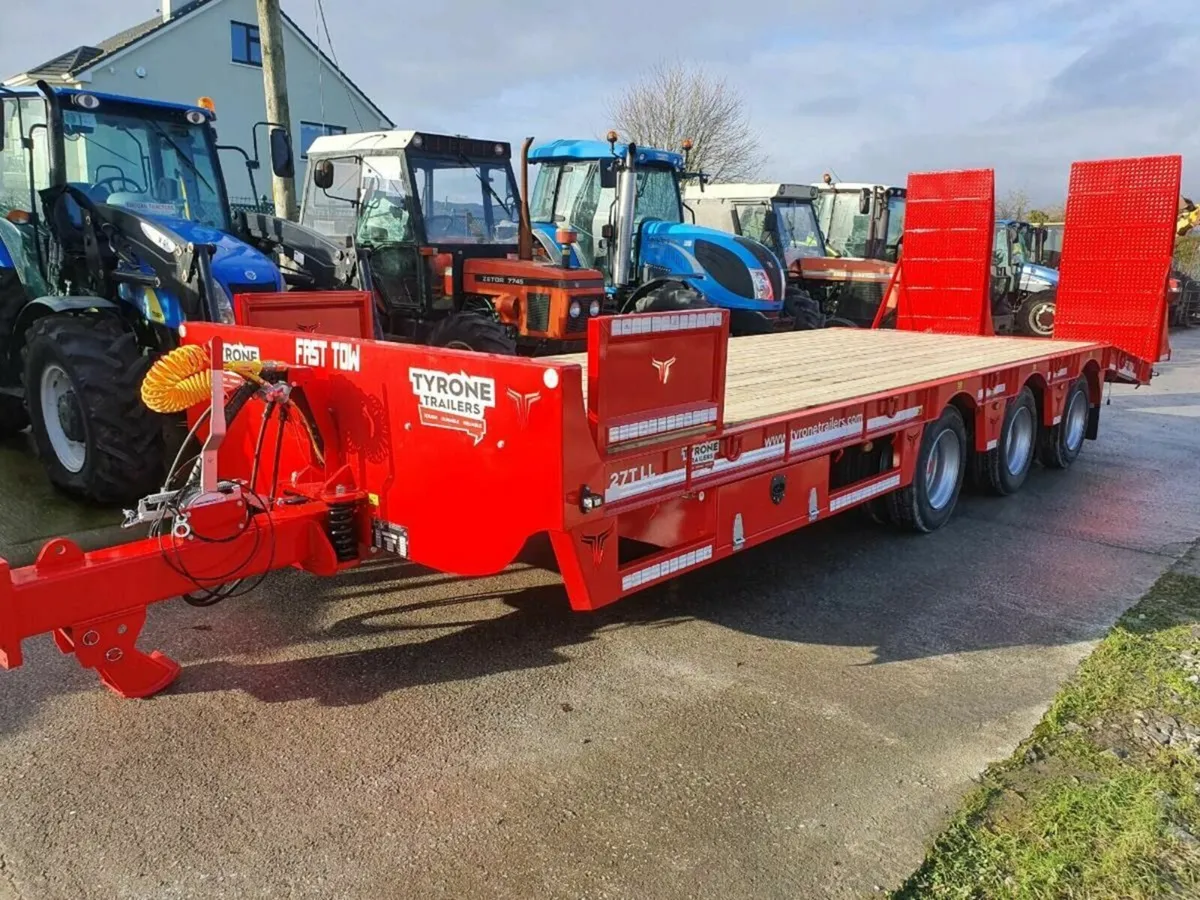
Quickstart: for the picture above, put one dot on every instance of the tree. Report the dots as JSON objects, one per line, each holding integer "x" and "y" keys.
{"x": 1013, "y": 205}
{"x": 1049, "y": 214}
{"x": 672, "y": 102}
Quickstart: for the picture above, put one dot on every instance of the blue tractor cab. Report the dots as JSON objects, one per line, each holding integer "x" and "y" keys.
{"x": 620, "y": 207}
{"x": 115, "y": 228}
{"x": 1024, "y": 291}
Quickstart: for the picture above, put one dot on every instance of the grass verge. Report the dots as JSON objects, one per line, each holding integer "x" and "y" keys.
{"x": 1103, "y": 799}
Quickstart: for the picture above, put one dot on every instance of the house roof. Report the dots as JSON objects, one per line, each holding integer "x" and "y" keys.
{"x": 67, "y": 66}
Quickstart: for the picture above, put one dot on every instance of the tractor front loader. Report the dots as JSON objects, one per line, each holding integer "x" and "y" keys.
{"x": 115, "y": 229}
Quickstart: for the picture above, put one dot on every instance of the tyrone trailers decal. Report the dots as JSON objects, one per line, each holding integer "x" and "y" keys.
{"x": 454, "y": 401}
{"x": 828, "y": 432}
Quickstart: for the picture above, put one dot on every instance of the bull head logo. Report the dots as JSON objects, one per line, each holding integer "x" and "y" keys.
{"x": 596, "y": 542}
{"x": 664, "y": 368}
{"x": 523, "y": 402}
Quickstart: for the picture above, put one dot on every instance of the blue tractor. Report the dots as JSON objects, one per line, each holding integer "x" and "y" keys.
{"x": 115, "y": 228}
{"x": 1024, "y": 291}
{"x": 620, "y": 207}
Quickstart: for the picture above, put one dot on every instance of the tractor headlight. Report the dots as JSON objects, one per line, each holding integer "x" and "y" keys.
{"x": 223, "y": 304}
{"x": 762, "y": 285}
{"x": 574, "y": 309}
{"x": 594, "y": 308}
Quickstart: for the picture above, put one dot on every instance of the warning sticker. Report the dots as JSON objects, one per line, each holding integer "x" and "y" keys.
{"x": 455, "y": 401}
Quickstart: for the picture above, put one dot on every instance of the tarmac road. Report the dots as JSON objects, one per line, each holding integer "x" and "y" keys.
{"x": 795, "y": 722}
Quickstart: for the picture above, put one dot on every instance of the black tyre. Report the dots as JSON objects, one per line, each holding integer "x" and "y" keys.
{"x": 1003, "y": 469}
{"x": 1061, "y": 444}
{"x": 835, "y": 322}
{"x": 669, "y": 296}
{"x": 804, "y": 311}
{"x": 747, "y": 322}
{"x": 927, "y": 503}
{"x": 13, "y": 417}
{"x": 1035, "y": 317}
{"x": 473, "y": 331}
{"x": 97, "y": 440}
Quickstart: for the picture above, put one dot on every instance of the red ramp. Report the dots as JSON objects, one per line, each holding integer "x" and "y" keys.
{"x": 1118, "y": 240}
{"x": 945, "y": 278}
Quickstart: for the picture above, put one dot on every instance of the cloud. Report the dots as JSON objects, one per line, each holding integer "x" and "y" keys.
{"x": 872, "y": 89}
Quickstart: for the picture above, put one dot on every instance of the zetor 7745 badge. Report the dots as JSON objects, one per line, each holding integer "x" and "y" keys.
{"x": 456, "y": 401}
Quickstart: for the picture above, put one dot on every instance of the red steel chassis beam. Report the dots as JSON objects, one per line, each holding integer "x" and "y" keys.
{"x": 455, "y": 460}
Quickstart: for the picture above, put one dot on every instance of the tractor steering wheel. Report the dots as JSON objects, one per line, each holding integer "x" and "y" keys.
{"x": 121, "y": 180}
{"x": 447, "y": 222}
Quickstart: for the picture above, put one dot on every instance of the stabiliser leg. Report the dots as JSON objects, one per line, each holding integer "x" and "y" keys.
{"x": 95, "y": 603}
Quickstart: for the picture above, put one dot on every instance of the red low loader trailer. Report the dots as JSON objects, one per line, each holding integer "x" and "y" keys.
{"x": 666, "y": 447}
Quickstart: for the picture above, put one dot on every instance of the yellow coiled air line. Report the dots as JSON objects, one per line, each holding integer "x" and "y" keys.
{"x": 183, "y": 379}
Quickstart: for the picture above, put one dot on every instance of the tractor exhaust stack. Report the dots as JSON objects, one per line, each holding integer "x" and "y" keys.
{"x": 525, "y": 236}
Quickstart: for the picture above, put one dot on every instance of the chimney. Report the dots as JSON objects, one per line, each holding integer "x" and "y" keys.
{"x": 166, "y": 10}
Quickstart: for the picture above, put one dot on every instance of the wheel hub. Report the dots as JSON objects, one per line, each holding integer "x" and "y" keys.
{"x": 1018, "y": 444}
{"x": 70, "y": 416}
{"x": 1076, "y": 423}
{"x": 1043, "y": 318}
{"x": 63, "y": 418}
{"x": 942, "y": 469}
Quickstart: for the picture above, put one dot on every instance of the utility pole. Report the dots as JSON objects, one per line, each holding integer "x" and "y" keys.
{"x": 270, "y": 34}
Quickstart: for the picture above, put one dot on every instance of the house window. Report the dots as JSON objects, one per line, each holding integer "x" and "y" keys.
{"x": 310, "y": 131}
{"x": 246, "y": 48}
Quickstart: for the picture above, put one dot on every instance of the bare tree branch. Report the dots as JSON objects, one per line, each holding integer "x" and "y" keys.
{"x": 672, "y": 102}
{"x": 1013, "y": 205}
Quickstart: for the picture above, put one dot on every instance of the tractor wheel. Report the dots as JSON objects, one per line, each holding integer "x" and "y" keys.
{"x": 1036, "y": 315}
{"x": 670, "y": 296}
{"x": 97, "y": 440}
{"x": 473, "y": 331}
{"x": 805, "y": 311}
{"x": 13, "y": 418}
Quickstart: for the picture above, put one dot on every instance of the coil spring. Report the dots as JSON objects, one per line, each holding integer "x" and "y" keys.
{"x": 341, "y": 530}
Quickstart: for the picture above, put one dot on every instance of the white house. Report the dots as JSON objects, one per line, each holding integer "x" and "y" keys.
{"x": 210, "y": 48}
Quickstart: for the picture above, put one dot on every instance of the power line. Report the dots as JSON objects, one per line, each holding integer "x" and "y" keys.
{"x": 333, "y": 56}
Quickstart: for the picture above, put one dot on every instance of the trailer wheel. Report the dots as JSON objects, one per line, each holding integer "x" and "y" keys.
{"x": 473, "y": 331}
{"x": 1035, "y": 317}
{"x": 1061, "y": 444}
{"x": 1004, "y": 469}
{"x": 805, "y": 312}
{"x": 926, "y": 504}
{"x": 96, "y": 438}
{"x": 13, "y": 417}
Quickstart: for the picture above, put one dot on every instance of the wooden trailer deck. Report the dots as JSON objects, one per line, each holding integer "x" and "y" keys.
{"x": 773, "y": 374}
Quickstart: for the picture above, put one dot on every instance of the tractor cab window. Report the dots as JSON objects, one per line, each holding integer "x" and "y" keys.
{"x": 796, "y": 222}
{"x": 1001, "y": 258}
{"x": 567, "y": 195}
{"x": 333, "y": 211}
{"x": 149, "y": 160}
{"x": 657, "y": 196}
{"x": 752, "y": 217}
{"x": 465, "y": 202}
{"x": 846, "y": 229}
{"x": 895, "y": 229}
{"x": 24, "y": 119}
{"x": 387, "y": 214}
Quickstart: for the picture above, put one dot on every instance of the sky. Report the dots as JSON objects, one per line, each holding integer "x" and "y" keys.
{"x": 867, "y": 89}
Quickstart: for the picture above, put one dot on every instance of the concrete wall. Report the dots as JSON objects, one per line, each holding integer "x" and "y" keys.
{"x": 193, "y": 58}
